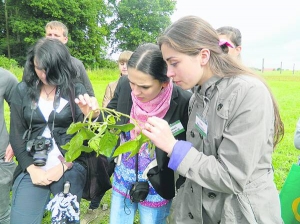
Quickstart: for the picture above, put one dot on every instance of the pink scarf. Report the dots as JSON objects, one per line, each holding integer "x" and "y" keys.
{"x": 158, "y": 107}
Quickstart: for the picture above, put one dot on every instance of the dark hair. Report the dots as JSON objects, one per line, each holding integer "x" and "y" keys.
{"x": 52, "y": 56}
{"x": 232, "y": 33}
{"x": 148, "y": 59}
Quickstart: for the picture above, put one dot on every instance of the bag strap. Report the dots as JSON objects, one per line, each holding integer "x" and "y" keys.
{"x": 136, "y": 166}
{"x": 72, "y": 104}
{"x": 56, "y": 104}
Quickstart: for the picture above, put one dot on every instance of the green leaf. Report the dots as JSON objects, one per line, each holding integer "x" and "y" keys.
{"x": 84, "y": 148}
{"x": 77, "y": 140}
{"x": 138, "y": 146}
{"x": 74, "y": 127}
{"x": 87, "y": 134}
{"x": 66, "y": 146}
{"x": 71, "y": 155}
{"x": 123, "y": 127}
{"x": 140, "y": 139}
{"x": 107, "y": 143}
{"x": 102, "y": 137}
{"x": 126, "y": 147}
{"x": 143, "y": 138}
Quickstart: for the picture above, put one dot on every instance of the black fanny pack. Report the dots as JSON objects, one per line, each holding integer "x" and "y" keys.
{"x": 139, "y": 191}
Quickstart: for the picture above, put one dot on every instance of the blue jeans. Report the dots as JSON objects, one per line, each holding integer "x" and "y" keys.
{"x": 123, "y": 211}
{"x": 6, "y": 175}
{"x": 29, "y": 201}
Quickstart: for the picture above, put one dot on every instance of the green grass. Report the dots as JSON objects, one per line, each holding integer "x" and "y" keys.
{"x": 286, "y": 91}
{"x": 285, "y": 87}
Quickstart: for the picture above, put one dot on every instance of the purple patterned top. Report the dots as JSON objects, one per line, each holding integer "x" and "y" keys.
{"x": 124, "y": 175}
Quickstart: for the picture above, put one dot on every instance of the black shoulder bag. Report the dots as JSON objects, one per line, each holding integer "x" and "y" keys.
{"x": 139, "y": 189}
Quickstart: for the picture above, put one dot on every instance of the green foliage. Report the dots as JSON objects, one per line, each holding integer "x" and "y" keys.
{"x": 85, "y": 20}
{"x": 93, "y": 25}
{"x": 106, "y": 63}
{"x": 7, "y": 63}
{"x": 102, "y": 137}
{"x": 138, "y": 21}
{"x": 2, "y": 29}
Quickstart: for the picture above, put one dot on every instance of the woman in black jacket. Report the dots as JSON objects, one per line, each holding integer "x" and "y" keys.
{"x": 40, "y": 115}
{"x": 146, "y": 91}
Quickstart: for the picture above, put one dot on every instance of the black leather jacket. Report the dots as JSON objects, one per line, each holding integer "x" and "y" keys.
{"x": 20, "y": 121}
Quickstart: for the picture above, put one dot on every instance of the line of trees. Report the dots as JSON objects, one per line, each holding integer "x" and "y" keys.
{"x": 96, "y": 27}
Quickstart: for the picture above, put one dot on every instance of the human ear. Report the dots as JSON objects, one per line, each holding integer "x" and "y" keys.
{"x": 164, "y": 84}
{"x": 238, "y": 50}
{"x": 65, "y": 40}
{"x": 204, "y": 56}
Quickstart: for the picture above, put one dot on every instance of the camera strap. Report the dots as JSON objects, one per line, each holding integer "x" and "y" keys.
{"x": 27, "y": 133}
{"x": 56, "y": 104}
{"x": 72, "y": 104}
{"x": 33, "y": 107}
{"x": 137, "y": 167}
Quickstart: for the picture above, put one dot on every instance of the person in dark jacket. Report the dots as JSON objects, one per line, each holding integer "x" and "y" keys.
{"x": 146, "y": 91}
{"x": 41, "y": 112}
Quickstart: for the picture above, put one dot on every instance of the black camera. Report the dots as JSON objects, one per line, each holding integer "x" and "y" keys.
{"x": 39, "y": 149}
{"x": 139, "y": 191}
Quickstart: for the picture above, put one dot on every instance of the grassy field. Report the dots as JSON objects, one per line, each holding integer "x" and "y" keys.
{"x": 286, "y": 88}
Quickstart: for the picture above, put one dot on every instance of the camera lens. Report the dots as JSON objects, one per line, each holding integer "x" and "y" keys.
{"x": 39, "y": 159}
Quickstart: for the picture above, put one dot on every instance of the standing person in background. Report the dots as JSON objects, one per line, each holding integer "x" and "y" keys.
{"x": 7, "y": 166}
{"x": 110, "y": 89}
{"x": 58, "y": 30}
{"x": 42, "y": 109}
{"x": 234, "y": 37}
{"x": 234, "y": 125}
{"x": 297, "y": 136}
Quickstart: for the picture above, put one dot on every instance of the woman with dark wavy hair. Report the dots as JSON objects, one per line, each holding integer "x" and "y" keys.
{"x": 42, "y": 109}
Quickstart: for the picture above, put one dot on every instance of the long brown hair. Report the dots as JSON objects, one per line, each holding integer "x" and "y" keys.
{"x": 191, "y": 33}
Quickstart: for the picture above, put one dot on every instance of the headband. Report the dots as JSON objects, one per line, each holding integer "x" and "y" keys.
{"x": 225, "y": 42}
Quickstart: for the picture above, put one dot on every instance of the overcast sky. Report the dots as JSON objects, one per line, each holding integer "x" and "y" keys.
{"x": 270, "y": 30}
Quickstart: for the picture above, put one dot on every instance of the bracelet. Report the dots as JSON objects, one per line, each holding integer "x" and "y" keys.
{"x": 68, "y": 164}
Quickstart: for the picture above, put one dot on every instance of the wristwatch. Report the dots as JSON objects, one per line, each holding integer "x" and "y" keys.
{"x": 68, "y": 164}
